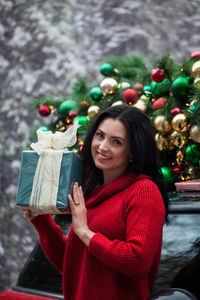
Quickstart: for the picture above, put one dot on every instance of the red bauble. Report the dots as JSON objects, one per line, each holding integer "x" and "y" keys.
{"x": 157, "y": 75}
{"x": 44, "y": 110}
{"x": 130, "y": 96}
{"x": 158, "y": 104}
{"x": 175, "y": 111}
{"x": 72, "y": 115}
{"x": 195, "y": 54}
{"x": 176, "y": 170}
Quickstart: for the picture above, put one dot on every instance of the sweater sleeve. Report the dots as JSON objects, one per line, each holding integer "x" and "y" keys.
{"x": 51, "y": 239}
{"x": 144, "y": 216}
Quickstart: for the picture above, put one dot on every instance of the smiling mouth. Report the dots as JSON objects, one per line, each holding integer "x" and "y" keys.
{"x": 102, "y": 156}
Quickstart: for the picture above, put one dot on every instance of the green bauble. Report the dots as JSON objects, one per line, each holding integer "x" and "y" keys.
{"x": 160, "y": 89}
{"x": 96, "y": 93}
{"x": 81, "y": 120}
{"x": 106, "y": 70}
{"x": 167, "y": 174}
{"x": 66, "y": 107}
{"x": 192, "y": 154}
{"x": 180, "y": 86}
{"x": 147, "y": 89}
{"x": 43, "y": 128}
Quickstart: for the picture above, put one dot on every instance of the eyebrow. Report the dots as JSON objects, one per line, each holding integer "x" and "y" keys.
{"x": 113, "y": 136}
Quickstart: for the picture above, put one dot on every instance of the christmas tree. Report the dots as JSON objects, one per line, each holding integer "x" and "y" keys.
{"x": 169, "y": 94}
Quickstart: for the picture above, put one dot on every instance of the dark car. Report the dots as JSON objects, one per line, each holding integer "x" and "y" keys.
{"x": 39, "y": 280}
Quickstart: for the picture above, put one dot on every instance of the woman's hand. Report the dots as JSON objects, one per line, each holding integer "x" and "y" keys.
{"x": 28, "y": 215}
{"x": 79, "y": 215}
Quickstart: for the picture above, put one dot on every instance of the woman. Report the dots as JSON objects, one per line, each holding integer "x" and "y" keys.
{"x": 114, "y": 245}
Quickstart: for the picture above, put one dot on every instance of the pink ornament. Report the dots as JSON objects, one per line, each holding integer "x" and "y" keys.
{"x": 175, "y": 111}
{"x": 158, "y": 104}
{"x": 130, "y": 96}
{"x": 195, "y": 54}
{"x": 138, "y": 87}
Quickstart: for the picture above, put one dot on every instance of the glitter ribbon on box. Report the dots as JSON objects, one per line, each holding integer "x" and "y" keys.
{"x": 47, "y": 173}
{"x": 193, "y": 185}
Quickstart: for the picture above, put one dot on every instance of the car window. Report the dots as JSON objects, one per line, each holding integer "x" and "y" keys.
{"x": 38, "y": 273}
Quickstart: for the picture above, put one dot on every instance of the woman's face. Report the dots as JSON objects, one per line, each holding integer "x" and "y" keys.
{"x": 110, "y": 148}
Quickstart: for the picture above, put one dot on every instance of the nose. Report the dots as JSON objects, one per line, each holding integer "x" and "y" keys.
{"x": 103, "y": 146}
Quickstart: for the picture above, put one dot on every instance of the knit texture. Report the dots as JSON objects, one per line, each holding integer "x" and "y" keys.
{"x": 122, "y": 260}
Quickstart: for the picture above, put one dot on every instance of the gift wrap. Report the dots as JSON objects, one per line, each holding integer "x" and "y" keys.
{"x": 48, "y": 172}
{"x": 70, "y": 171}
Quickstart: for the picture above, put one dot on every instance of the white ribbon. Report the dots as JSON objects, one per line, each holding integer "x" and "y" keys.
{"x": 50, "y": 147}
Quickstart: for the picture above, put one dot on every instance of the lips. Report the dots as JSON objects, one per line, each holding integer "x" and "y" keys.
{"x": 103, "y": 156}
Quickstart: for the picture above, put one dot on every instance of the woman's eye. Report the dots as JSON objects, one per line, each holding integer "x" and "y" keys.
{"x": 117, "y": 142}
{"x": 99, "y": 134}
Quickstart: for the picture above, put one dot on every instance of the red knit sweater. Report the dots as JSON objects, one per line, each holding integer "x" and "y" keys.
{"x": 123, "y": 256}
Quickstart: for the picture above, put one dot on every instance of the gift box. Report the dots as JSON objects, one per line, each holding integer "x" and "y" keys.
{"x": 47, "y": 174}
{"x": 193, "y": 185}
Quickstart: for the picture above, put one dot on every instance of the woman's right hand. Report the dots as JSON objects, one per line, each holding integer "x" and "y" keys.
{"x": 28, "y": 215}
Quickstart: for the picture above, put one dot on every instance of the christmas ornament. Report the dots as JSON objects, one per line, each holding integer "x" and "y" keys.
{"x": 119, "y": 102}
{"x": 195, "y": 72}
{"x": 167, "y": 174}
{"x": 179, "y": 123}
{"x": 140, "y": 105}
{"x": 108, "y": 86}
{"x": 66, "y": 107}
{"x": 180, "y": 87}
{"x": 176, "y": 139}
{"x": 195, "y": 133}
{"x": 138, "y": 87}
{"x": 123, "y": 85}
{"x": 84, "y": 107}
{"x": 195, "y": 54}
{"x": 176, "y": 170}
{"x": 72, "y": 115}
{"x": 161, "y": 142}
{"x": 160, "y": 89}
{"x": 43, "y": 128}
{"x": 93, "y": 111}
{"x": 157, "y": 75}
{"x": 44, "y": 110}
{"x": 95, "y": 93}
{"x": 159, "y": 103}
{"x": 162, "y": 124}
{"x": 192, "y": 154}
{"x": 106, "y": 69}
{"x": 147, "y": 90}
{"x": 130, "y": 96}
{"x": 82, "y": 120}
{"x": 180, "y": 155}
{"x": 175, "y": 111}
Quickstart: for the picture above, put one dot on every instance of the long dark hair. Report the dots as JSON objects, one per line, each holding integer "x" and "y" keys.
{"x": 142, "y": 146}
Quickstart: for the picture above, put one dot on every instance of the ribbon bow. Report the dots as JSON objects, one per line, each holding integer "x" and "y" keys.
{"x": 55, "y": 141}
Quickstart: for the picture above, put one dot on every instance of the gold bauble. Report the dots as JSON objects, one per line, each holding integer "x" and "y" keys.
{"x": 119, "y": 102}
{"x": 195, "y": 133}
{"x": 93, "y": 111}
{"x": 162, "y": 124}
{"x": 176, "y": 139}
{"x": 161, "y": 142}
{"x": 108, "y": 86}
{"x": 180, "y": 155}
{"x": 140, "y": 105}
{"x": 197, "y": 81}
{"x": 195, "y": 71}
{"x": 179, "y": 123}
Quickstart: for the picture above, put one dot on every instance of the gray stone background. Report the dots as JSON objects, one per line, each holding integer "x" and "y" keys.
{"x": 44, "y": 45}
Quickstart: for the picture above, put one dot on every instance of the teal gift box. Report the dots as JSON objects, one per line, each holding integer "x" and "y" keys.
{"x": 70, "y": 171}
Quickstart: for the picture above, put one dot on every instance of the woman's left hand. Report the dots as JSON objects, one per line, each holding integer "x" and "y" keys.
{"x": 79, "y": 215}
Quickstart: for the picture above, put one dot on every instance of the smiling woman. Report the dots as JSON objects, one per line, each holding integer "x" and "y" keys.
{"x": 111, "y": 153}
{"x": 113, "y": 248}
